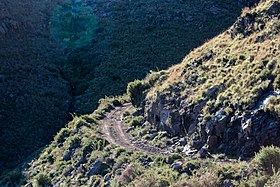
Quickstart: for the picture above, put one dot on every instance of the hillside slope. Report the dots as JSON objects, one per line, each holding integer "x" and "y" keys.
{"x": 225, "y": 89}
{"x": 30, "y": 78}
{"x": 42, "y": 80}
{"x": 134, "y": 37}
{"x": 222, "y": 98}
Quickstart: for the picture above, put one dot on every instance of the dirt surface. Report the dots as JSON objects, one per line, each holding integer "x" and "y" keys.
{"x": 115, "y": 131}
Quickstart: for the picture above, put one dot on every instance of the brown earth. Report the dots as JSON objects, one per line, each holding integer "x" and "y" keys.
{"x": 115, "y": 131}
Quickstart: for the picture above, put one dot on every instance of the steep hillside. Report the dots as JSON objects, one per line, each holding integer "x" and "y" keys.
{"x": 221, "y": 101}
{"x": 225, "y": 94}
{"x": 32, "y": 109}
{"x": 134, "y": 37}
{"x": 62, "y": 56}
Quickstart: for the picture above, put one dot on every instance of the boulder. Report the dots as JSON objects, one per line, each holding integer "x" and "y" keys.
{"x": 227, "y": 183}
{"x": 212, "y": 142}
{"x": 107, "y": 177}
{"x": 211, "y": 92}
{"x": 95, "y": 168}
{"x": 126, "y": 175}
{"x": 182, "y": 142}
{"x": 203, "y": 153}
{"x": 188, "y": 169}
{"x": 67, "y": 155}
{"x": 177, "y": 165}
{"x": 81, "y": 161}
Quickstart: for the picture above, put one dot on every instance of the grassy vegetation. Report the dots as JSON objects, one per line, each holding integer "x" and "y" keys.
{"x": 134, "y": 169}
{"x": 71, "y": 160}
{"x": 274, "y": 105}
{"x": 230, "y": 72}
{"x": 138, "y": 36}
{"x": 117, "y": 41}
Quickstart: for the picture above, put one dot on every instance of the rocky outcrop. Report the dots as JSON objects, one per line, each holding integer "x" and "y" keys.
{"x": 240, "y": 134}
{"x": 254, "y": 22}
{"x": 205, "y": 99}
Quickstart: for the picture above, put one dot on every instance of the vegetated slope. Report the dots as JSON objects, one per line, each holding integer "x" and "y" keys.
{"x": 134, "y": 37}
{"x": 225, "y": 94}
{"x": 32, "y": 109}
{"x": 39, "y": 78}
{"x": 80, "y": 156}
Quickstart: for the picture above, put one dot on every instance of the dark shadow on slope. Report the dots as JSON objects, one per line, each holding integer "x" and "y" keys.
{"x": 136, "y": 37}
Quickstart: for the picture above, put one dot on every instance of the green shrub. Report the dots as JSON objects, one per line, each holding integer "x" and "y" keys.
{"x": 276, "y": 83}
{"x": 256, "y": 181}
{"x": 274, "y": 181}
{"x": 62, "y": 135}
{"x": 264, "y": 74}
{"x": 74, "y": 141}
{"x": 136, "y": 121}
{"x": 274, "y": 105}
{"x": 81, "y": 123}
{"x": 268, "y": 160}
{"x": 157, "y": 177}
{"x": 88, "y": 148}
{"x": 135, "y": 91}
{"x": 42, "y": 180}
{"x": 153, "y": 77}
{"x": 133, "y": 121}
{"x": 209, "y": 179}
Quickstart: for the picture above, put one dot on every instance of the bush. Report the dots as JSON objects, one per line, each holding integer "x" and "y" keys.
{"x": 81, "y": 123}
{"x": 268, "y": 160}
{"x": 74, "y": 142}
{"x": 42, "y": 180}
{"x": 274, "y": 105}
{"x": 209, "y": 179}
{"x": 135, "y": 91}
{"x": 274, "y": 181}
{"x": 158, "y": 177}
{"x": 136, "y": 121}
{"x": 62, "y": 135}
{"x": 255, "y": 180}
{"x": 276, "y": 83}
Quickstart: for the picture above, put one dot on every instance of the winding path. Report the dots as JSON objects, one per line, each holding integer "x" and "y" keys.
{"x": 115, "y": 131}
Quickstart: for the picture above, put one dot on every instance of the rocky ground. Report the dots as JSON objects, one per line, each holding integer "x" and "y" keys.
{"x": 116, "y": 132}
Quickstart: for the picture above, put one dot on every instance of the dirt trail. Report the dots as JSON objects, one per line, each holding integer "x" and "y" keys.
{"x": 114, "y": 130}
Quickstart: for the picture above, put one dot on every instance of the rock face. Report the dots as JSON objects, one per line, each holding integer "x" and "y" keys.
{"x": 258, "y": 128}
{"x": 177, "y": 165}
{"x": 242, "y": 133}
{"x": 164, "y": 119}
{"x": 214, "y": 116}
{"x": 95, "y": 168}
